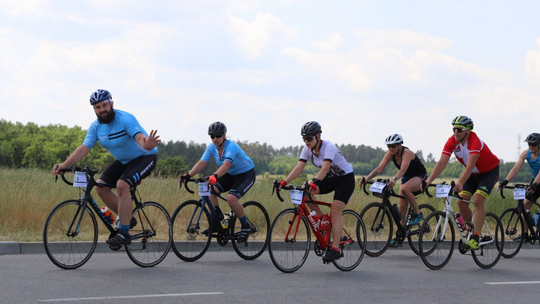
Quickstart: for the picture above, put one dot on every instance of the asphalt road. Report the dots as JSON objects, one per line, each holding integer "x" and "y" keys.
{"x": 398, "y": 276}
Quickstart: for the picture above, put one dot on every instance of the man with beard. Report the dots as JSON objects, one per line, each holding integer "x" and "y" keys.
{"x": 134, "y": 150}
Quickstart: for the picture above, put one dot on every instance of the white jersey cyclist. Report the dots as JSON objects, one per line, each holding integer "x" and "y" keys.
{"x": 328, "y": 152}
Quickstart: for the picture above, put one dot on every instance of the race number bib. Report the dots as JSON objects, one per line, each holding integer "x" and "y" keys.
{"x": 79, "y": 180}
{"x": 296, "y": 196}
{"x": 377, "y": 187}
{"x": 204, "y": 189}
{"x": 519, "y": 193}
{"x": 442, "y": 190}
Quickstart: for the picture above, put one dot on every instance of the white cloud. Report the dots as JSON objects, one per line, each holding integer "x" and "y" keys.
{"x": 532, "y": 64}
{"x": 254, "y": 37}
{"x": 332, "y": 43}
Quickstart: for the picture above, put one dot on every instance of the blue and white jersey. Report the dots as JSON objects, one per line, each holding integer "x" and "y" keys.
{"x": 241, "y": 163}
{"x": 534, "y": 164}
{"x": 118, "y": 137}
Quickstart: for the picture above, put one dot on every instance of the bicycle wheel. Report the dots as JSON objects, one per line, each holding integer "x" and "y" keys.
{"x": 189, "y": 243}
{"x": 257, "y": 241}
{"x": 289, "y": 240}
{"x": 152, "y": 236}
{"x": 491, "y": 242}
{"x": 414, "y": 230}
{"x": 379, "y": 225}
{"x": 513, "y": 226}
{"x": 353, "y": 241}
{"x": 436, "y": 240}
{"x": 69, "y": 243}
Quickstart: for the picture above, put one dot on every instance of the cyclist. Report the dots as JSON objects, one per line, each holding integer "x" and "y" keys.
{"x": 533, "y": 191}
{"x": 411, "y": 172}
{"x": 480, "y": 174}
{"x": 335, "y": 174}
{"x": 236, "y": 174}
{"x": 135, "y": 156}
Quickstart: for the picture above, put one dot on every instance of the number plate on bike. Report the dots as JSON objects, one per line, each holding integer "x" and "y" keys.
{"x": 79, "y": 180}
{"x": 519, "y": 193}
{"x": 377, "y": 187}
{"x": 296, "y": 196}
{"x": 204, "y": 189}
{"x": 442, "y": 190}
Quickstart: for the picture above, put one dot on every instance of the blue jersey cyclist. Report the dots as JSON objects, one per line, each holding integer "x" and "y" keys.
{"x": 236, "y": 174}
{"x": 135, "y": 156}
{"x": 335, "y": 174}
{"x": 533, "y": 192}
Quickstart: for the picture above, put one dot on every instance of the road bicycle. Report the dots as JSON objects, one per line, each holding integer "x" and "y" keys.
{"x": 195, "y": 223}
{"x": 515, "y": 220}
{"x": 290, "y": 234}
{"x": 380, "y": 218}
{"x": 437, "y": 234}
{"x": 71, "y": 234}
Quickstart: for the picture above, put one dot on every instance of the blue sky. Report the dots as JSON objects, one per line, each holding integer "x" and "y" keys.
{"x": 363, "y": 69}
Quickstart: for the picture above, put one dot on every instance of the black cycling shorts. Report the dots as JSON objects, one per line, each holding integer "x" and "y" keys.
{"x": 343, "y": 187}
{"x": 237, "y": 185}
{"x": 132, "y": 172}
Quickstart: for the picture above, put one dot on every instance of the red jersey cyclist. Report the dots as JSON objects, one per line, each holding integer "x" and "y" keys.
{"x": 480, "y": 174}
{"x": 411, "y": 172}
{"x": 533, "y": 192}
{"x": 335, "y": 174}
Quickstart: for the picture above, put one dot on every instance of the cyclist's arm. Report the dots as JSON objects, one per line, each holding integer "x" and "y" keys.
{"x": 148, "y": 142}
{"x": 515, "y": 169}
{"x": 405, "y": 162}
{"x": 74, "y": 158}
{"x": 296, "y": 171}
{"x": 223, "y": 168}
{"x": 198, "y": 167}
{"x": 384, "y": 162}
{"x": 438, "y": 169}
{"x": 325, "y": 168}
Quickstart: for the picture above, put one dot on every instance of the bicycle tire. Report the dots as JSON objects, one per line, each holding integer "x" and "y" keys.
{"x": 287, "y": 255}
{"x": 380, "y": 227}
{"x": 352, "y": 252}
{"x": 152, "y": 236}
{"x": 256, "y": 242}
{"x": 436, "y": 244}
{"x": 513, "y": 226}
{"x": 66, "y": 250}
{"x": 489, "y": 254}
{"x": 189, "y": 244}
{"x": 412, "y": 237}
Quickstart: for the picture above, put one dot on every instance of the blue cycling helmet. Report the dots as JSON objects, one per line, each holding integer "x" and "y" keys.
{"x": 99, "y": 95}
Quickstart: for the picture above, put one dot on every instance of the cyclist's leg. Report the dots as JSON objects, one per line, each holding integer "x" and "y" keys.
{"x": 406, "y": 189}
{"x": 110, "y": 176}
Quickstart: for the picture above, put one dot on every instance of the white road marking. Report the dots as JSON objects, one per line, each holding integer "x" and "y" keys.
{"x": 512, "y": 283}
{"x": 134, "y": 297}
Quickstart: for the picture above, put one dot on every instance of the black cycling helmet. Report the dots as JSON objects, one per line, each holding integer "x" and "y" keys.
{"x": 463, "y": 121}
{"x": 311, "y": 128}
{"x": 99, "y": 95}
{"x": 533, "y": 138}
{"x": 217, "y": 128}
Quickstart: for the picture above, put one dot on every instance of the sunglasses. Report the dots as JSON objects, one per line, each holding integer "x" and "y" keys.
{"x": 216, "y": 136}
{"x": 308, "y": 138}
{"x": 532, "y": 144}
{"x": 459, "y": 130}
{"x": 391, "y": 146}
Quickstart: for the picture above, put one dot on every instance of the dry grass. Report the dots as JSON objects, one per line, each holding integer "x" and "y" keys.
{"x": 27, "y": 197}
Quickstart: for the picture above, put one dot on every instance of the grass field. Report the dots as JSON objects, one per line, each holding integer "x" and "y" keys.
{"x": 27, "y": 196}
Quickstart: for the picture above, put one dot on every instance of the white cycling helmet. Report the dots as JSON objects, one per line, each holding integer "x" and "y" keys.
{"x": 393, "y": 139}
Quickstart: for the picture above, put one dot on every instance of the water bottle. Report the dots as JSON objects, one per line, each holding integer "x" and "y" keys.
{"x": 108, "y": 214}
{"x": 536, "y": 218}
{"x": 460, "y": 222}
{"x": 225, "y": 223}
{"x": 325, "y": 222}
{"x": 529, "y": 217}
{"x": 396, "y": 211}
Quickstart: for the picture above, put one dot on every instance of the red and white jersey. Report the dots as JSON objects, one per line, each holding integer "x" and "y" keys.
{"x": 486, "y": 161}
